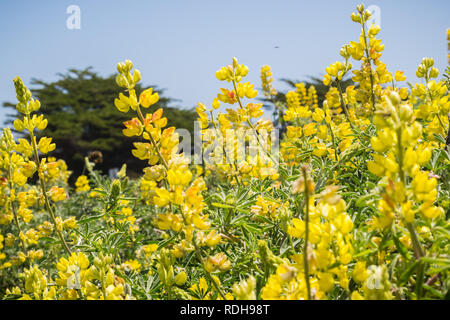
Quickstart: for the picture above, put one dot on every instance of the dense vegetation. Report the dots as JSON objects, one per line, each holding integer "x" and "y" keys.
{"x": 353, "y": 205}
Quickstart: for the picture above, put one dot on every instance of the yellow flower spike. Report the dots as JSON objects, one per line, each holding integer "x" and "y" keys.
{"x": 142, "y": 151}
{"x": 70, "y": 223}
{"x": 309, "y": 129}
{"x": 248, "y": 91}
{"x": 407, "y": 212}
{"x": 218, "y": 261}
{"x": 343, "y": 223}
{"x": 432, "y": 212}
{"x": 359, "y": 272}
{"x": 25, "y": 214}
{"x": 157, "y": 119}
{"x": 201, "y": 222}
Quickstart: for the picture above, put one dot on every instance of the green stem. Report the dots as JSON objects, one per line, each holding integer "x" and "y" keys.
{"x": 250, "y": 123}
{"x": 200, "y": 259}
{"x": 13, "y": 208}
{"x": 369, "y": 62}
{"x": 199, "y": 256}
{"x": 224, "y": 151}
{"x": 44, "y": 191}
{"x": 305, "y": 250}
{"x": 419, "y": 253}
{"x": 333, "y": 140}
{"x": 343, "y": 104}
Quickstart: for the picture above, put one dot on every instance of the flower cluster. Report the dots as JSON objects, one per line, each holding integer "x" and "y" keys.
{"x": 353, "y": 205}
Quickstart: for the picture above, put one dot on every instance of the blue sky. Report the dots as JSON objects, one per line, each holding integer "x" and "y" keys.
{"x": 179, "y": 45}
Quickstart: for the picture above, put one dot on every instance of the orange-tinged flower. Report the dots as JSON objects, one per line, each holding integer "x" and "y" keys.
{"x": 148, "y": 98}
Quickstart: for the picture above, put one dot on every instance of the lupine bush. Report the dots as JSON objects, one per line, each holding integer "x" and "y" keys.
{"x": 353, "y": 204}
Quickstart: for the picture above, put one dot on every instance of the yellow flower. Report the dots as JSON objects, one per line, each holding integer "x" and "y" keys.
{"x": 213, "y": 239}
{"x": 359, "y": 272}
{"x": 57, "y": 194}
{"x": 82, "y": 184}
{"x": 200, "y": 289}
{"x": 320, "y": 150}
{"x": 399, "y": 76}
{"x": 297, "y": 229}
{"x": 309, "y": 129}
{"x": 133, "y": 264}
{"x": 45, "y": 145}
{"x": 180, "y": 278}
{"x": 148, "y": 98}
{"x": 70, "y": 223}
{"x": 123, "y": 103}
{"x": 218, "y": 261}
{"x": 326, "y": 282}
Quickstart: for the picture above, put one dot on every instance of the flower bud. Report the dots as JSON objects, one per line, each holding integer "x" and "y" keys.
{"x": 406, "y": 112}
{"x": 120, "y": 67}
{"x": 35, "y": 105}
{"x": 136, "y": 76}
{"x": 19, "y": 125}
{"x": 128, "y": 65}
{"x": 428, "y": 62}
{"x": 115, "y": 189}
{"x": 22, "y": 108}
{"x": 235, "y": 62}
{"x": 97, "y": 262}
{"x": 394, "y": 97}
{"x": 180, "y": 278}
{"x": 356, "y": 17}
{"x": 121, "y": 81}
{"x": 434, "y": 72}
{"x": 360, "y": 8}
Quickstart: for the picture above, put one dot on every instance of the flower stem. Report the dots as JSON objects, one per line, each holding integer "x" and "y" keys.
{"x": 13, "y": 207}
{"x": 369, "y": 63}
{"x": 305, "y": 248}
{"x": 250, "y": 123}
{"x": 44, "y": 191}
{"x": 163, "y": 161}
